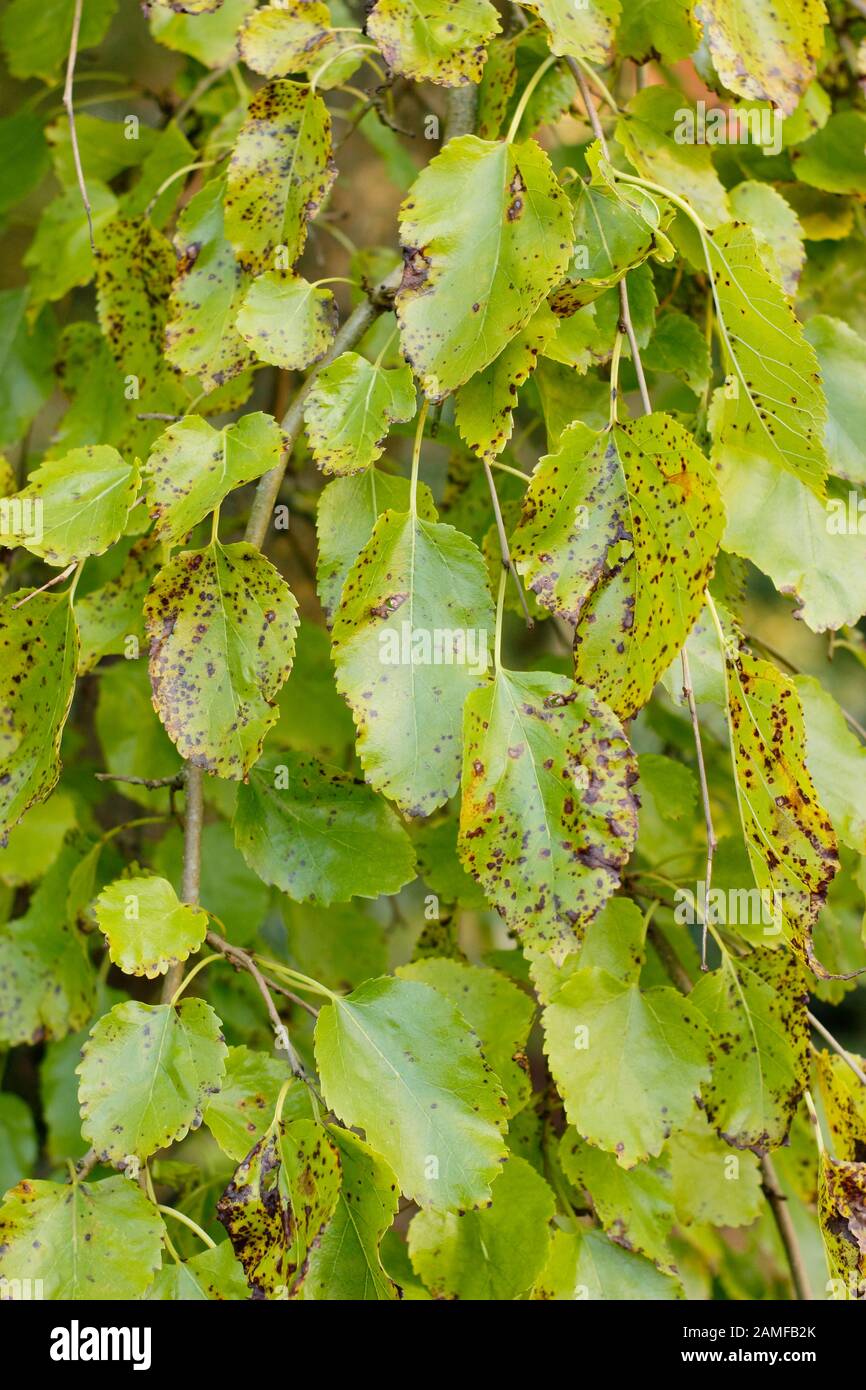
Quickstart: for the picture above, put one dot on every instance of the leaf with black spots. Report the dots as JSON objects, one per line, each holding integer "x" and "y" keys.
{"x": 842, "y": 1216}
{"x": 583, "y": 30}
{"x": 286, "y": 320}
{"x": 345, "y": 1263}
{"x": 298, "y": 36}
{"x": 764, "y": 52}
{"x": 484, "y": 406}
{"x": 434, "y": 40}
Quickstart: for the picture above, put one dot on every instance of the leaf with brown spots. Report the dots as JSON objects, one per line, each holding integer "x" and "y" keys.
{"x": 548, "y": 818}
{"x": 201, "y": 339}
{"x": 843, "y": 1097}
{"x": 298, "y": 36}
{"x": 583, "y": 30}
{"x": 619, "y": 534}
{"x": 345, "y": 1264}
{"x": 193, "y": 467}
{"x": 75, "y": 506}
{"x": 486, "y": 232}
{"x": 279, "y": 174}
{"x": 171, "y": 1058}
{"x": 221, "y": 624}
{"x": 350, "y": 409}
{"x": 756, "y": 1007}
{"x": 319, "y": 834}
{"x": 278, "y": 1203}
{"x": 842, "y": 1216}
{"x": 434, "y": 40}
{"x": 243, "y": 1108}
{"x": 410, "y": 641}
{"x": 765, "y": 52}
{"x": 791, "y": 844}
{"x": 484, "y": 406}
{"x": 287, "y": 321}
{"x": 396, "y": 1060}
{"x": 38, "y": 661}
{"x": 634, "y": 1205}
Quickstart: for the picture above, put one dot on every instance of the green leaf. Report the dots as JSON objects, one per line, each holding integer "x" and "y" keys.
{"x": 767, "y": 53}
{"x": 657, "y": 28}
{"x": 156, "y": 189}
{"x": 193, "y": 467}
{"x": 410, "y": 641}
{"x": 755, "y": 1005}
{"x": 843, "y": 1098}
{"x": 634, "y": 1206}
{"x": 618, "y": 534}
{"x": 836, "y": 760}
{"x": 486, "y": 232}
{"x": 241, "y": 1111}
{"x": 23, "y": 157}
{"x": 614, "y": 231}
{"x": 584, "y": 1264}
{"x": 650, "y": 133}
{"x": 628, "y": 1063}
{"x": 278, "y": 1203}
{"x": 484, "y": 405}
{"x": 297, "y": 36}
{"x": 99, "y": 1241}
{"x": 26, "y": 361}
{"x": 350, "y": 409}
{"x": 228, "y": 887}
{"x": 772, "y": 409}
{"x": 395, "y": 1060}
{"x": 147, "y": 927}
{"x": 434, "y": 41}
{"x": 279, "y": 174}
{"x": 36, "y": 42}
{"x": 213, "y": 1274}
{"x": 345, "y": 1263}
{"x": 318, "y": 834}
{"x": 39, "y": 646}
{"x": 341, "y": 946}
{"x": 36, "y": 841}
{"x": 834, "y": 159}
{"x": 678, "y": 347}
{"x": 210, "y": 38}
{"x": 46, "y": 982}
{"x": 710, "y": 1183}
{"x": 777, "y": 231}
{"x": 841, "y": 357}
{"x": 286, "y": 320}
{"x": 790, "y": 840}
{"x": 110, "y": 615}
{"x": 499, "y": 1012}
{"x": 584, "y": 30}
{"x": 201, "y": 339}
{"x": 170, "y": 1058}
{"x": 60, "y": 256}
{"x": 130, "y": 735}
{"x": 347, "y": 513}
{"x": 221, "y": 624}
{"x": 19, "y": 1146}
{"x": 490, "y": 1255}
{"x": 547, "y": 819}
{"x": 79, "y": 504}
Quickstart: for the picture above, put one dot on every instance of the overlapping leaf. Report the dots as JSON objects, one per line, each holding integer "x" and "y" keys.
{"x": 434, "y": 40}
{"x": 74, "y": 506}
{"x": 764, "y": 52}
{"x": 350, "y": 409}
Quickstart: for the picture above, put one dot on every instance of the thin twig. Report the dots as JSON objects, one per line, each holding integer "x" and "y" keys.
{"x": 243, "y": 961}
{"x": 689, "y": 694}
{"x": 837, "y": 1047}
{"x": 70, "y": 111}
{"x": 49, "y": 584}
{"x": 785, "y": 1226}
{"x": 507, "y": 562}
{"x": 156, "y": 415}
{"x": 85, "y": 1166}
{"x": 193, "y": 818}
{"x": 151, "y": 783}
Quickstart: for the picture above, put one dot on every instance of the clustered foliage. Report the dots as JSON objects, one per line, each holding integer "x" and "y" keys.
{"x": 356, "y": 937}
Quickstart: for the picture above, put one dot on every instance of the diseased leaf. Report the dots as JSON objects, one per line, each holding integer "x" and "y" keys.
{"x": 490, "y": 1255}
{"x": 843, "y": 1097}
{"x": 298, "y": 36}
{"x": 663, "y": 28}
{"x": 221, "y": 624}
{"x": 74, "y": 506}
{"x": 777, "y": 230}
{"x": 583, "y": 30}
{"x": 486, "y": 232}
{"x": 212, "y": 1274}
{"x": 410, "y": 641}
{"x": 434, "y": 40}
{"x": 318, "y": 834}
{"x": 547, "y": 818}
{"x": 484, "y": 406}
{"x": 842, "y": 1215}
{"x": 396, "y": 1060}
{"x": 345, "y": 1263}
{"x": 39, "y": 651}
{"x": 171, "y": 1058}
{"x": 584, "y": 1264}
{"x": 243, "y": 1107}
{"x": 147, "y": 927}
{"x": 287, "y": 321}
{"x": 634, "y": 1206}
{"x": 766, "y": 53}
{"x": 279, "y": 173}
{"x": 836, "y": 760}
{"x": 193, "y": 467}
{"x": 86, "y": 1241}
{"x": 350, "y": 409}
{"x": 618, "y": 534}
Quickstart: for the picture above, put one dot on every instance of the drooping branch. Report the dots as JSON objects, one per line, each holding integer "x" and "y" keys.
{"x": 70, "y": 112}
{"x": 193, "y": 820}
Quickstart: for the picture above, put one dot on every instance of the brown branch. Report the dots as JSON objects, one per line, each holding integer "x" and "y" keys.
{"x": 151, "y": 783}
{"x": 785, "y": 1226}
{"x": 837, "y": 1047}
{"x": 70, "y": 111}
{"x": 243, "y": 961}
{"x": 507, "y": 562}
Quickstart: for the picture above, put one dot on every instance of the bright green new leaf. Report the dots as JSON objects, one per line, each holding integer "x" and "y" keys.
{"x": 286, "y": 320}
{"x": 351, "y": 408}
{"x": 410, "y": 641}
{"x": 396, "y": 1060}
{"x": 38, "y": 661}
{"x": 148, "y": 928}
{"x": 319, "y": 834}
{"x": 171, "y": 1058}
{"x": 486, "y": 232}
{"x": 490, "y": 1255}
{"x": 547, "y": 819}
{"x": 74, "y": 506}
{"x": 99, "y": 1240}
{"x": 193, "y": 467}
{"x": 221, "y": 624}
{"x": 345, "y": 1263}
{"x": 279, "y": 173}
{"x": 619, "y": 534}
{"x": 434, "y": 40}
